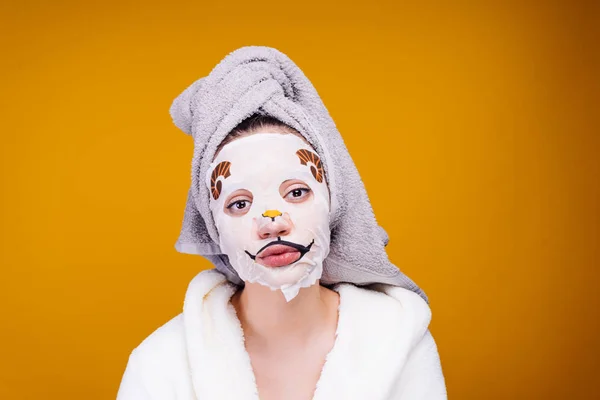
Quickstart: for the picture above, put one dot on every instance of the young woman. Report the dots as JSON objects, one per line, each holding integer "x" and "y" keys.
{"x": 302, "y": 303}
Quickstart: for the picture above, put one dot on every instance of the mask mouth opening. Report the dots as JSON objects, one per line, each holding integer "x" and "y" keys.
{"x": 280, "y": 253}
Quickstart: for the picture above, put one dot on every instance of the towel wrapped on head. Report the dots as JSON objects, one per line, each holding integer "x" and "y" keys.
{"x": 263, "y": 80}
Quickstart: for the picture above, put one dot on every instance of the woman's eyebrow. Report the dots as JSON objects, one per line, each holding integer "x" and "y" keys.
{"x": 294, "y": 179}
{"x": 239, "y": 192}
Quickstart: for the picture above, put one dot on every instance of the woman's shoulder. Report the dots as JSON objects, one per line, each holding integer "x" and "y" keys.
{"x": 169, "y": 339}
{"x": 163, "y": 348}
{"x": 389, "y": 308}
{"x": 157, "y": 366}
{"x": 383, "y": 332}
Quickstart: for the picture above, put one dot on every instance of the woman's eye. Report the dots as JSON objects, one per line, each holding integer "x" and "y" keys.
{"x": 298, "y": 193}
{"x": 240, "y": 204}
{"x": 239, "y": 207}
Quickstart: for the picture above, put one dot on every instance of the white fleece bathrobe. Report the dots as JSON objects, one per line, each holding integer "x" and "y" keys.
{"x": 383, "y": 349}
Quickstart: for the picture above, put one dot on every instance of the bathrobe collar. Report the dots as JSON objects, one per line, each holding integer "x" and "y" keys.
{"x": 376, "y": 330}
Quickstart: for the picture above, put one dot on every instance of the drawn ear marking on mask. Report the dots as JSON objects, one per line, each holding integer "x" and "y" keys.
{"x": 316, "y": 168}
{"x": 222, "y": 169}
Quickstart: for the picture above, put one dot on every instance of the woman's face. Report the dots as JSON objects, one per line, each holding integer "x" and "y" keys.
{"x": 270, "y": 202}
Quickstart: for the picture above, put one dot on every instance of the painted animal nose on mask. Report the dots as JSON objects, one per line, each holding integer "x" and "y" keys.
{"x": 273, "y": 223}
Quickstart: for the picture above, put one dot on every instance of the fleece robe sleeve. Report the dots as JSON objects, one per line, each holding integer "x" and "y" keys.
{"x": 422, "y": 377}
{"x": 132, "y": 384}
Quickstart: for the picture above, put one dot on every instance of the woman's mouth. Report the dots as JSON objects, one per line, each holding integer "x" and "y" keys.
{"x": 278, "y": 255}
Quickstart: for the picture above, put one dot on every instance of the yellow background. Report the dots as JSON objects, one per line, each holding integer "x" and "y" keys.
{"x": 474, "y": 127}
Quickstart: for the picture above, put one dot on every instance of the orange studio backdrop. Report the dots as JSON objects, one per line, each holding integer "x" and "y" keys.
{"x": 474, "y": 127}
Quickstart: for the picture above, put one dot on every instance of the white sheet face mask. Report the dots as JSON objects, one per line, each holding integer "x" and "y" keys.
{"x": 270, "y": 203}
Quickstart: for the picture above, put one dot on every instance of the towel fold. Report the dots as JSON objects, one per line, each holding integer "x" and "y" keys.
{"x": 263, "y": 80}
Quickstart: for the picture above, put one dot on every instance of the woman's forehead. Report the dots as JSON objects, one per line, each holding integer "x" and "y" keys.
{"x": 265, "y": 159}
{"x": 265, "y": 139}
{"x": 261, "y": 149}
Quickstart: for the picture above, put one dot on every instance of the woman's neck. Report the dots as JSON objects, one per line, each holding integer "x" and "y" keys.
{"x": 268, "y": 318}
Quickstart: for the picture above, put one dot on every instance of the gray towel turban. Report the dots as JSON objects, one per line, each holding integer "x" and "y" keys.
{"x": 263, "y": 80}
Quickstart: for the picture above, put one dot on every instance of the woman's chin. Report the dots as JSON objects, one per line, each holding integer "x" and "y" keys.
{"x": 285, "y": 276}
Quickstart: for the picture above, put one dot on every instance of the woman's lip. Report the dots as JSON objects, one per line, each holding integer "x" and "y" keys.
{"x": 277, "y": 255}
{"x": 276, "y": 249}
{"x": 279, "y": 260}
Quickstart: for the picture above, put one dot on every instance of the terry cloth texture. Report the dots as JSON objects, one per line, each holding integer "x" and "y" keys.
{"x": 263, "y": 80}
{"x": 383, "y": 349}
